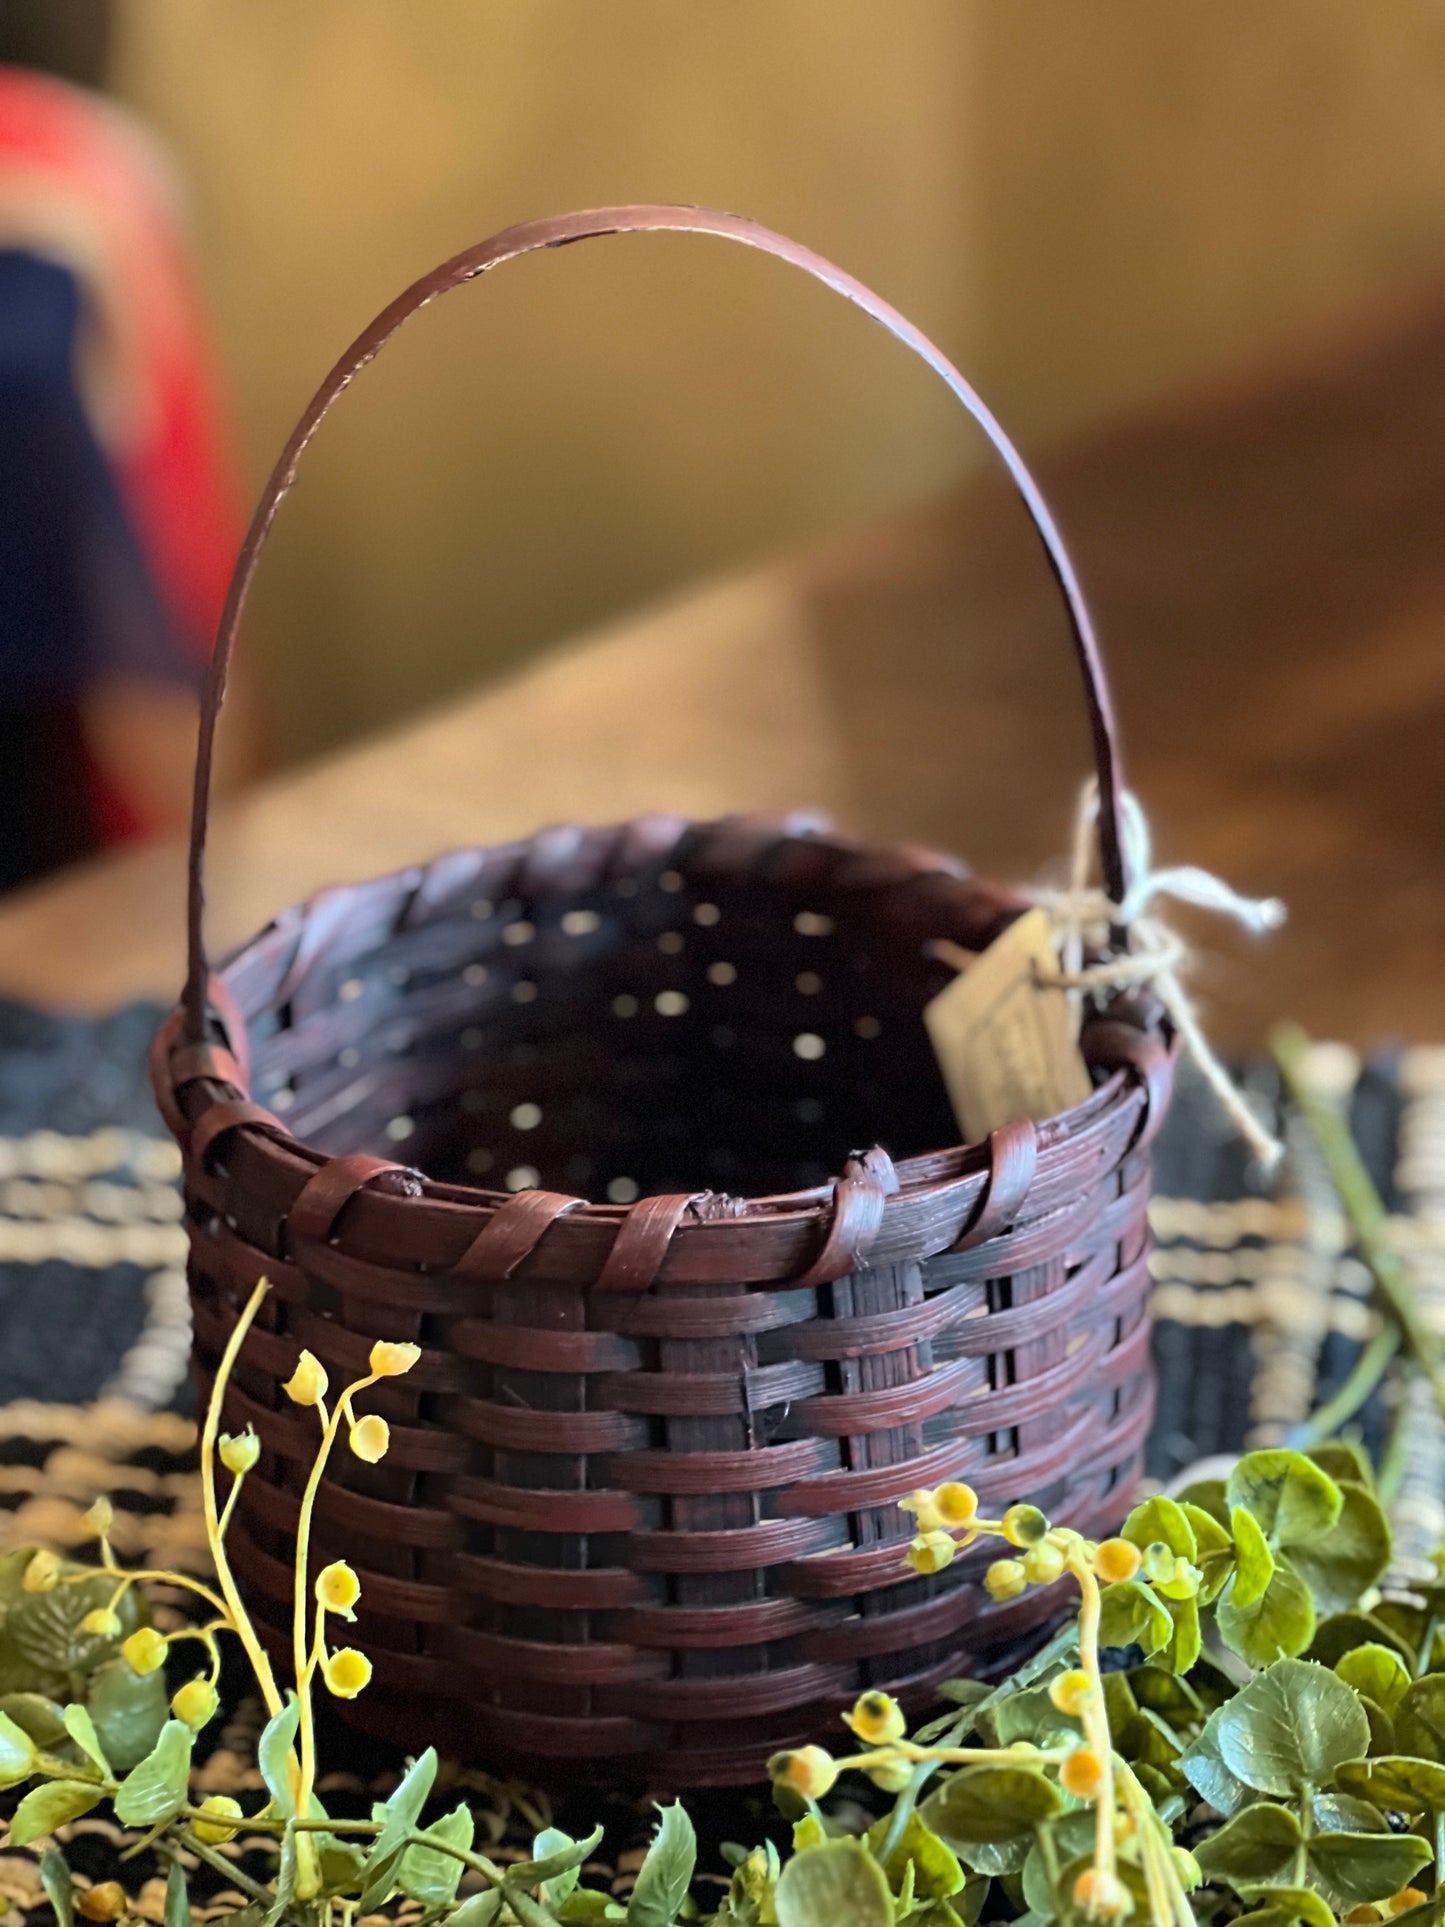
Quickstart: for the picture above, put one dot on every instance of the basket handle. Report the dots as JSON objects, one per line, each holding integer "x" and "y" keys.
{"x": 558, "y": 232}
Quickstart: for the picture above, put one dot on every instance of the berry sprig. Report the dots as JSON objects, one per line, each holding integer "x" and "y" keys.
{"x": 1088, "y": 1771}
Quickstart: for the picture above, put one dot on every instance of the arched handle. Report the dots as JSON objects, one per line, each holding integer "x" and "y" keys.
{"x": 558, "y": 232}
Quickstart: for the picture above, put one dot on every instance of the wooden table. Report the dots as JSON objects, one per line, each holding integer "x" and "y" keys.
{"x": 1266, "y": 562}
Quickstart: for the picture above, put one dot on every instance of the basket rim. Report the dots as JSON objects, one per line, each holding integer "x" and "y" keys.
{"x": 204, "y": 1091}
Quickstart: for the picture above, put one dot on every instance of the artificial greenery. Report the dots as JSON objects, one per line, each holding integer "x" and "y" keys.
{"x": 1240, "y": 1719}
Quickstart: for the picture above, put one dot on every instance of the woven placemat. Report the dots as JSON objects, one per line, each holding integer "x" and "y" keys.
{"x": 1260, "y": 1310}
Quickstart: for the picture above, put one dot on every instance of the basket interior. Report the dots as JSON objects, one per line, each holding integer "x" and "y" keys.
{"x": 659, "y": 1031}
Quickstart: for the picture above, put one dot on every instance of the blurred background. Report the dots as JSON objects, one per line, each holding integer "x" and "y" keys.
{"x": 1089, "y": 205}
{"x": 1195, "y": 259}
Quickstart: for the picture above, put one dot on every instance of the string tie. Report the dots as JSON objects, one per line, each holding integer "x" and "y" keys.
{"x": 1137, "y": 946}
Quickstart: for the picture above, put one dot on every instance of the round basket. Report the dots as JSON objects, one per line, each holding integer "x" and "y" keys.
{"x": 639, "y": 1506}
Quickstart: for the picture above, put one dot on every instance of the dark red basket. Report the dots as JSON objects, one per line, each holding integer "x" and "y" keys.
{"x": 639, "y": 1507}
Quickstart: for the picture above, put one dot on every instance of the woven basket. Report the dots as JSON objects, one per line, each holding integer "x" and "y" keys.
{"x": 639, "y": 1503}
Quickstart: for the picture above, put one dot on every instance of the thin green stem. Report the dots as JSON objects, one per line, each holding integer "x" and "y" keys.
{"x": 1362, "y": 1204}
{"x": 237, "y": 1480}
{"x": 903, "y": 1809}
{"x": 300, "y": 1614}
{"x": 221, "y": 1865}
{"x": 234, "y": 1607}
{"x": 1365, "y": 1379}
{"x": 1440, "y": 1856}
{"x": 1095, "y": 1717}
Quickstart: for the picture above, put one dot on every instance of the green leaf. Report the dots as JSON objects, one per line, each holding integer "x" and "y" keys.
{"x": 1350, "y": 1869}
{"x": 555, "y": 1863}
{"x": 1376, "y": 1671}
{"x": 1282, "y": 1906}
{"x": 1030, "y": 1716}
{"x": 1163, "y": 1692}
{"x": 991, "y": 1804}
{"x": 1186, "y": 1640}
{"x": 178, "y": 1901}
{"x": 1290, "y": 1728}
{"x": 156, "y": 1789}
{"x": 1291, "y": 1499}
{"x": 128, "y": 1710}
{"x": 58, "y": 1885}
{"x": 666, "y": 1873}
{"x": 1259, "y": 1844}
{"x": 1420, "y": 1718}
{"x": 47, "y": 1807}
{"x": 1216, "y": 1548}
{"x": 1341, "y": 1564}
{"x": 1072, "y": 1835}
{"x": 399, "y": 1814}
{"x": 1161, "y": 1521}
{"x": 1203, "y": 1766}
{"x": 1382, "y": 1727}
{"x": 273, "y": 1754}
{"x": 936, "y": 1870}
{"x": 1396, "y": 1781}
{"x": 431, "y": 1876}
{"x": 1208, "y": 1496}
{"x": 827, "y": 1886}
{"x": 1280, "y": 1625}
{"x": 17, "y": 1752}
{"x": 1343, "y": 1813}
{"x": 1133, "y": 1614}
{"x": 1341, "y": 1633}
{"x": 44, "y": 1627}
{"x": 1343, "y": 1459}
{"x": 81, "y": 1728}
{"x": 480, "y": 1910}
{"x": 43, "y": 1719}
{"x": 550, "y": 1842}
{"x": 1254, "y": 1562}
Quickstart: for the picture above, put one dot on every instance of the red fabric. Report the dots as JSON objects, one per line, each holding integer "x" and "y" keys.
{"x": 83, "y": 184}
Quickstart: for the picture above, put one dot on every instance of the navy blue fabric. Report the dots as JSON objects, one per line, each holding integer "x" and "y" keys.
{"x": 76, "y": 597}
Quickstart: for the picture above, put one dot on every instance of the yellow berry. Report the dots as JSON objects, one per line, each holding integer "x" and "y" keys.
{"x": 104, "y": 1901}
{"x": 239, "y": 1451}
{"x": 145, "y": 1650}
{"x": 1005, "y": 1579}
{"x": 391, "y": 1360}
{"x": 1071, "y": 1692}
{"x": 1103, "y": 1896}
{"x": 1190, "y": 1873}
{"x": 893, "y": 1777}
{"x": 931, "y": 1551}
{"x": 370, "y": 1436}
{"x": 1043, "y": 1564}
{"x": 876, "y": 1718}
{"x": 338, "y": 1588}
{"x": 43, "y": 1572}
{"x": 346, "y": 1672}
{"x": 1116, "y": 1560}
{"x": 1402, "y": 1902}
{"x": 809, "y": 1770}
{"x": 957, "y": 1503}
{"x": 923, "y": 1504}
{"x": 307, "y": 1384}
{"x": 102, "y": 1622}
{"x": 1082, "y": 1773}
{"x": 226, "y": 1809}
{"x": 97, "y": 1521}
{"x": 1024, "y": 1525}
{"x": 196, "y": 1703}
{"x": 1364, "y": 1915}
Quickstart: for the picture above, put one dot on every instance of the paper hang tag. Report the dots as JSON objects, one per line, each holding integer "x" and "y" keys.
{"x": 1008, "y": 1045}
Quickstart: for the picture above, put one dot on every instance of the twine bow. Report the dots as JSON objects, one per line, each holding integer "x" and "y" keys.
{"x": 1084, "y": 917}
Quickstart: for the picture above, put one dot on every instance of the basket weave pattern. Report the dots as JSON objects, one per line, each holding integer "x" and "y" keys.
{"x": 640, "y": 1502}
{"x": 640, "y": 1494}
